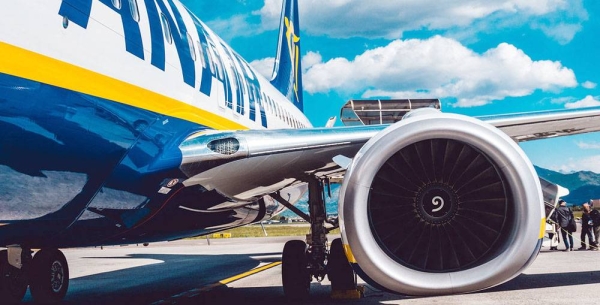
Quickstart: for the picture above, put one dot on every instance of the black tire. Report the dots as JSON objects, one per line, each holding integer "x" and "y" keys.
{"x": 13, "y": 284}
{"x": 339, "y": 271}
{"x": 49, "y": 276}
{"x": 294, "y": 272}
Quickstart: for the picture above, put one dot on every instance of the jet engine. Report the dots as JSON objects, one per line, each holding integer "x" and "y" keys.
{"x": 440, "y": 204}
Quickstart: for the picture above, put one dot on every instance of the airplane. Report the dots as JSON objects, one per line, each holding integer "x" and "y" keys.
{"x": 130, "y": 121}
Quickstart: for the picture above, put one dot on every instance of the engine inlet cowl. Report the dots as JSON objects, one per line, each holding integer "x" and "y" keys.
{"x": 441, "y": 203}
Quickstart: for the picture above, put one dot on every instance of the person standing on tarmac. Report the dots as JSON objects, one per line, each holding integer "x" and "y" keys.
{"x": 562, "y": 216}
{"x": 586, "y": 228}
{"x": 595, "y": 216}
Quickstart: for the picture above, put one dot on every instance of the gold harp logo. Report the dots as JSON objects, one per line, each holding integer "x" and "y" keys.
{"x": 293, "y": 49}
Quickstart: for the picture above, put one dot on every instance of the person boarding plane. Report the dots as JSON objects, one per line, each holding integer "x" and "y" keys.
{"x": 130, "y": 121}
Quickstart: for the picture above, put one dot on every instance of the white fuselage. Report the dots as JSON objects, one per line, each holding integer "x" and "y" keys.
{"x": 101, "y": 50}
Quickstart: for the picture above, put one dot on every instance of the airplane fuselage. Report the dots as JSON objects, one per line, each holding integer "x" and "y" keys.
{"x": 95, "y": 98}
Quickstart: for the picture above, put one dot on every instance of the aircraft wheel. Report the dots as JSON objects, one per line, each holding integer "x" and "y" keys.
{"x": 13, "y": 284}
{"x": 49, "y": 276}
{"x": 294, "y": 271}
{"x": 339, "y": 271}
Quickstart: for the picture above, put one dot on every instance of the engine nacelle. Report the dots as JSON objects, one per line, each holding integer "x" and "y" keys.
{"x": 441, "y": 204}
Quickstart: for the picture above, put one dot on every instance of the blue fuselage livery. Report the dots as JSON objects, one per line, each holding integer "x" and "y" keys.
{"x": 89, "y": 152}
{"x": 78, "y": 12}
{"x": 112, "y": 112}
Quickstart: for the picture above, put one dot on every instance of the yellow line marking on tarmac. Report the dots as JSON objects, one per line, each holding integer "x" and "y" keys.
{"x": 197, "y": 291}
{"x": 251, "y": 272}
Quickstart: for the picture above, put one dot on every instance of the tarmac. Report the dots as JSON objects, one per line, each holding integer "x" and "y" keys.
{"x": 216, "y": 272}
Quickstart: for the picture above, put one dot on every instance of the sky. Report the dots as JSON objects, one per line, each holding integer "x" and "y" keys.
{"x": 479, "y": 57}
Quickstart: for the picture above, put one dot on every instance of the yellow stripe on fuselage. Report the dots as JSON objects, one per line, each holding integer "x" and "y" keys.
{"x": 30, "y": 65}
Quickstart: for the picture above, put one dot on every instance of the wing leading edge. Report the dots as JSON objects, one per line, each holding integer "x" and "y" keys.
{"x": 546, "y": 124}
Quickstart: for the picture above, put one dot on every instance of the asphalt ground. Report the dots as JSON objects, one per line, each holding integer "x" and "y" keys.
{"x": 194, "y": 272}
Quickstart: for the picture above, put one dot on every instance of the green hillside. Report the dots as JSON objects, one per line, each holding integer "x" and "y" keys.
{"x": 583, "y": 186}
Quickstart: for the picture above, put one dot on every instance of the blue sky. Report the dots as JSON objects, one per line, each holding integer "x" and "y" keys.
{"x": 478, "y": 56}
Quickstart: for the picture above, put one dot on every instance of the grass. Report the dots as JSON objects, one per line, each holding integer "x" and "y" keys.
{"x": 272, "y": 230}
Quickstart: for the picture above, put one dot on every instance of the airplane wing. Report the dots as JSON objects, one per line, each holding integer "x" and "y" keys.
{"x": 246, "y": 165}
{"x": 546, "y": 124}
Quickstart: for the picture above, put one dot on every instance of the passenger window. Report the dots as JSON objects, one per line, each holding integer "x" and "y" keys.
{"x": 166, "y": 28}
{"x": 192, "y": 48}
{"x": 116, "y": 4}
{"x": 266, "y": 105}
{"x": 133, "y": 8}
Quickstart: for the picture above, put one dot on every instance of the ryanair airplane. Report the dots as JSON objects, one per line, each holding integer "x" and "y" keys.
{"x": 130, "y": 121}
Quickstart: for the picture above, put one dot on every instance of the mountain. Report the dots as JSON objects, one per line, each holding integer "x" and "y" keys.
{"x": 583, "y": 186}
{"x": 583, "y": 195}
{"x": 571, "y": 181}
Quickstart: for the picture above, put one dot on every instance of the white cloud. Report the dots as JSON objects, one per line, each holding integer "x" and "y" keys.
{"x": 588, "y": 101}
{"x": 235, "y": 26}
{"x": 389, "y": 19}
{"x": 589, "y": 85}
{"x": 439, "y": 67}
{"x": 310, "y": 59}
{"x": 561, "y": 32}
{"x": 264, "y": 66}
{"x": 271, "y": 13}
{"x": 588, "y": 145}
{"x": 562, "y": 100}
{"x": 563, "y": 23}
{"x": 591, "y": 163}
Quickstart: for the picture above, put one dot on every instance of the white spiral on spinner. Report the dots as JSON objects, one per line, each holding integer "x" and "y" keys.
{"x": 437, "y": 200}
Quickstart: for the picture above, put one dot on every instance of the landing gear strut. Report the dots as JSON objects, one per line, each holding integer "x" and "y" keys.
{"x": 46, "y": 274}
{"x": 301, "y": 262}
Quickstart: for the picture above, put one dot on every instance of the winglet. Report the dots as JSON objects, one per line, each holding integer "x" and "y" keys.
{"x": 287, "y": 73}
